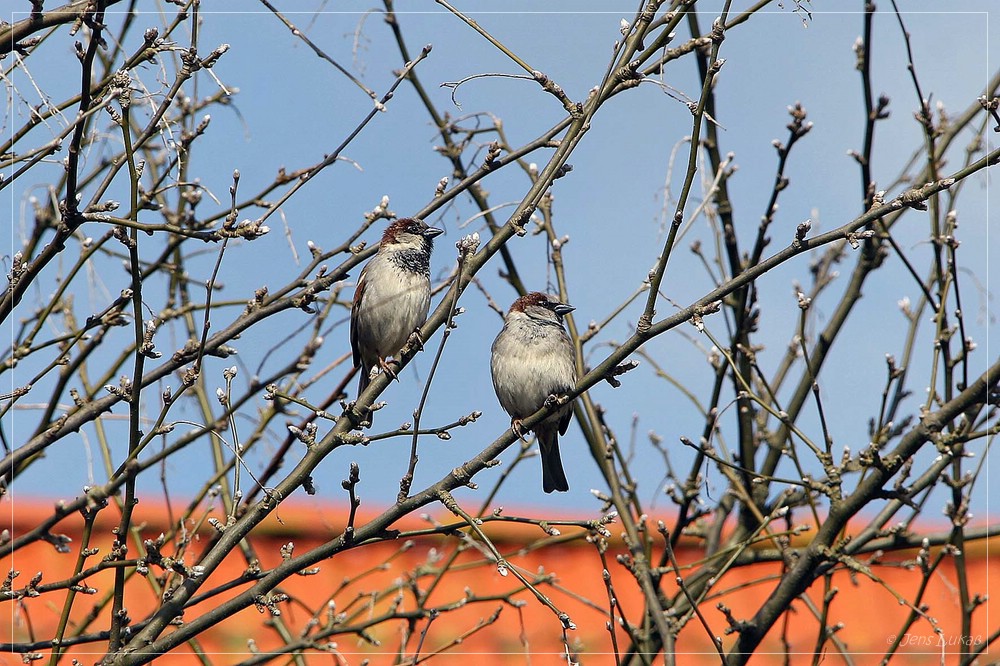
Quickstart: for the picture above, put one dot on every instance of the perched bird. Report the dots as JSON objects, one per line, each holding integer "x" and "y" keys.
{"x": 533, "y": 359}
{"x": 393, "y": 295}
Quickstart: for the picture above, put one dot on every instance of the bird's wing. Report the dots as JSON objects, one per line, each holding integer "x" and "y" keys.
{"x": 358, "y": 295}
{"x": 565, "y": 418}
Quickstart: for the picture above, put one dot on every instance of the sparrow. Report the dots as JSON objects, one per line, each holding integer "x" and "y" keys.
{"x": 532, "y": 358}
{"x": 393, "y": 295}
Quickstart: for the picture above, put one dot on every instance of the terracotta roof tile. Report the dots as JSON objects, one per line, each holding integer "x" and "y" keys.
{"x": 368, "y": 581}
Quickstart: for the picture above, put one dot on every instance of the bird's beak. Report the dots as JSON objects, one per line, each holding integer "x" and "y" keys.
{"x": 563, "y": 309}
{"x": 431, "y": 232}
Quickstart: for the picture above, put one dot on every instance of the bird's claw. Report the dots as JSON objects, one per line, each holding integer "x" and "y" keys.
{"x": 517, "y": 428}
{"x": 387, "y": 369}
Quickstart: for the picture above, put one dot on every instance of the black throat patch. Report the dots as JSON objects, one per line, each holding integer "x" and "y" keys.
{"x": 418, "y": 261}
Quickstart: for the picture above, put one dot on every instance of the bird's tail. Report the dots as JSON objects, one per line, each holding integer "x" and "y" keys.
{"x": 363, "y": 383}
{"x": 553, "y": 476}
{"x": 363, "y": 379}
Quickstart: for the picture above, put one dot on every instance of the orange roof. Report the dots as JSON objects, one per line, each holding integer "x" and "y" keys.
{"x": 482, "y": 612}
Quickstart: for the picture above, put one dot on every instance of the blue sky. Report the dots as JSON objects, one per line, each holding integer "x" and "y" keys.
{"x": 292, "y": 108}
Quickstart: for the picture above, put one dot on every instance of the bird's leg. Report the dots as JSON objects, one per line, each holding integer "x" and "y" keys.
{"x": 415, "y": 341}
{"x": 517, "y": 428}
{"x": 387, "y": 368}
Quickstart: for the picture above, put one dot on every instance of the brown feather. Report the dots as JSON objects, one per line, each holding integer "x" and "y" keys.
{"x": 358, "y": 295}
